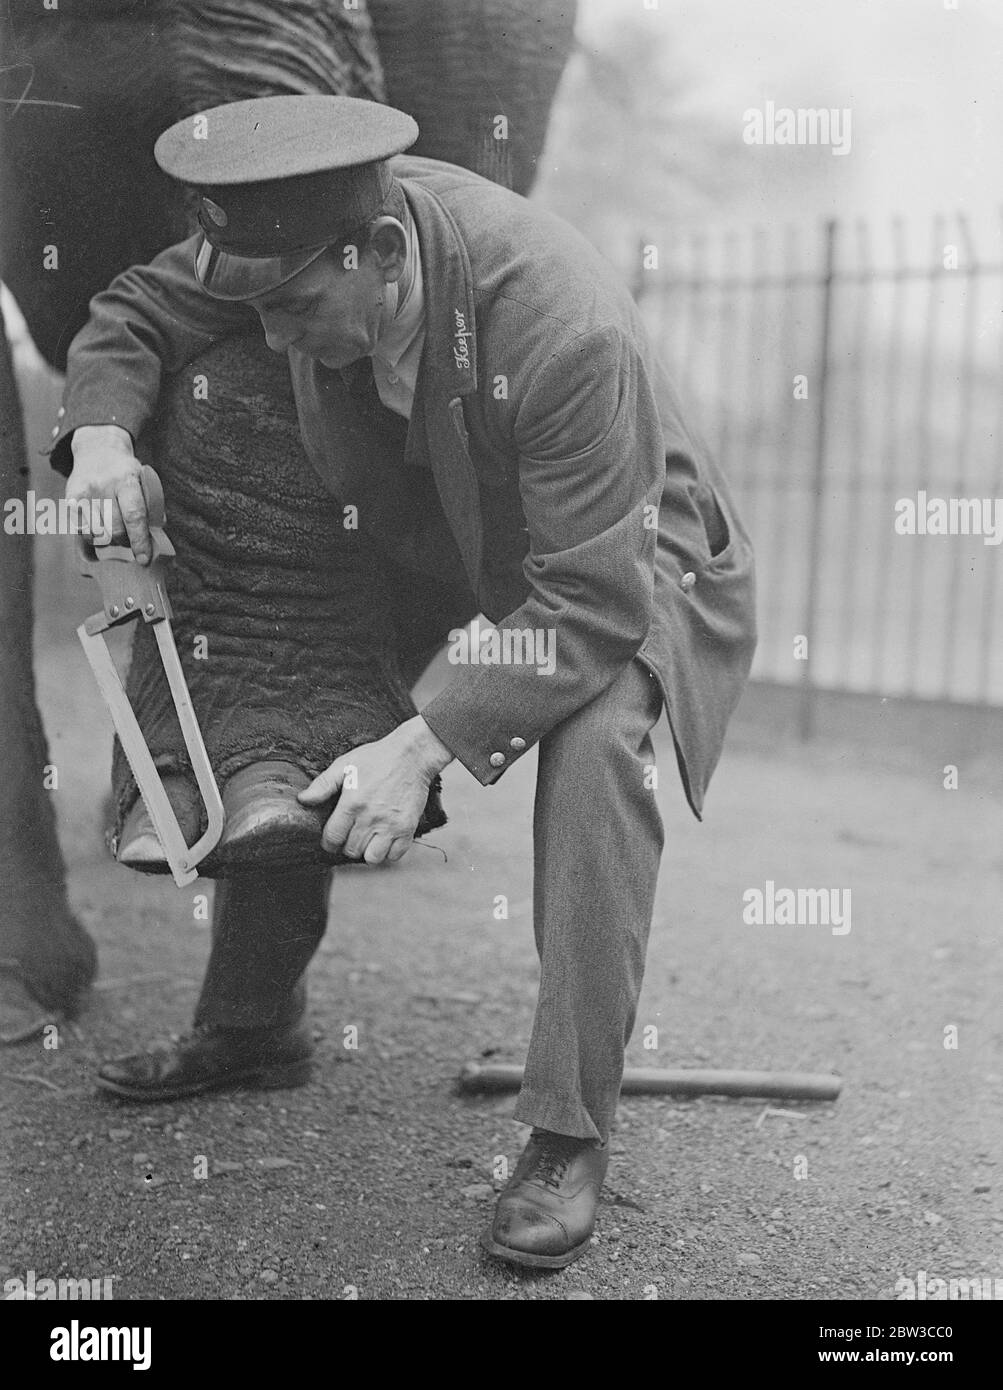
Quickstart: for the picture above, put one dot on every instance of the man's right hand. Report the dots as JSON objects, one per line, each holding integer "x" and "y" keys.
{"x": 106, "y": 470}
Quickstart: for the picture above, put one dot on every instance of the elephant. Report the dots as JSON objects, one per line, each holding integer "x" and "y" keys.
{"x": 459, "y": 66}
{"x": 46, "y": 956}
{"x": 79, "y": 173}
{"x": 87, "y": 86}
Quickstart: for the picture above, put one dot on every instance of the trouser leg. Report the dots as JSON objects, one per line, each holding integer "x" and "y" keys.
{"x": 265, "y": 930}
{"x": 597, "y": 843}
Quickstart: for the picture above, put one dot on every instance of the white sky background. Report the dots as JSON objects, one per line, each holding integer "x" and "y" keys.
{"x": 924, "y": 84}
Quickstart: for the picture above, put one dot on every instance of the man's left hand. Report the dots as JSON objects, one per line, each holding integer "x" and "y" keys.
{"x": 381, "y": 802}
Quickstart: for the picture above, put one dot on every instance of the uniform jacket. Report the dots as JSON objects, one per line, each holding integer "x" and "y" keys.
{"x": 577, "y": 498}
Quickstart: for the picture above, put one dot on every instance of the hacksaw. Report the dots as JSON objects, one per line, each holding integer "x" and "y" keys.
{"x": 132, "y": 591}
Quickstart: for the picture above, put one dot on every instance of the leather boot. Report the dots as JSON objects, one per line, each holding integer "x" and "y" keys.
{"x": 213, "y": 1059}
{"x": 546, "y": 1215}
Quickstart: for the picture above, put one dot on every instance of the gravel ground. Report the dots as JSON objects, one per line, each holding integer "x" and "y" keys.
{"x": 375, "y": 1180}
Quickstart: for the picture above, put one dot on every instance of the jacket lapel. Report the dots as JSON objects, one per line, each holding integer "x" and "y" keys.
{"x": 438, "y": 434}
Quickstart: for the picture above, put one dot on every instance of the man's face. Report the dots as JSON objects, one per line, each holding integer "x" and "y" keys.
{"x": 326, "y": 312}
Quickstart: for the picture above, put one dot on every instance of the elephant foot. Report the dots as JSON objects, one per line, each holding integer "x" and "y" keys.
{"x": 139, "y": 846}
{"x": 22, "y": 1017}
{"x": 48, "y": 961}
{"x": 265, "y": 825}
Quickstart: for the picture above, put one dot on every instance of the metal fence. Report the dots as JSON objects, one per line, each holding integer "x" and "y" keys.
{"x": 835, "y": 376}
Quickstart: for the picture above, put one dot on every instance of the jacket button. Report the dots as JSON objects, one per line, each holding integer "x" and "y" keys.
{"x": 55, "y": 431}
{"x": 497, "y": 759}
{"x": 518, "y": 744}
{"x": 60, "y": 412}
{"x": 688, "y": 580}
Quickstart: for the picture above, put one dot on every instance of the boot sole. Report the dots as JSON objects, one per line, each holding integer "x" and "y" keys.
{"x": 527, "y": 1260}
{"x": 286, "y": 1075}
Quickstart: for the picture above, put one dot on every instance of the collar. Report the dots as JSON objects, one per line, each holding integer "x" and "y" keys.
{"x": 409, "y": 319}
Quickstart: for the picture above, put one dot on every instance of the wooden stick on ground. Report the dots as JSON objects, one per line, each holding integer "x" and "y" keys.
{"x": 638, "y": 1081}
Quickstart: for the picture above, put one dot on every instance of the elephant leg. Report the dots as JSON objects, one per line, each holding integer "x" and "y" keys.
{"x": 41, "y": 942}
{"x": 479, "y": 79}
{"x": 265, "y": 931}
{"x": 288, "y": 636}
{"x": 250, "y": 1025}
{"x": 284, "y": 618}
{"x": 425, "y": 613}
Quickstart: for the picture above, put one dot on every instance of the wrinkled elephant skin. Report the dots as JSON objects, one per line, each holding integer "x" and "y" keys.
{"x": 41, "y": 941}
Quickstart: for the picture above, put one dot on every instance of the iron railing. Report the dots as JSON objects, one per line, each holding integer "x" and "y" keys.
{"x": 834, "y": 376}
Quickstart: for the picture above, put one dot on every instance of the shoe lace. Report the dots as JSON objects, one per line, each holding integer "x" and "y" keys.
{"x": 552, "y": 1157}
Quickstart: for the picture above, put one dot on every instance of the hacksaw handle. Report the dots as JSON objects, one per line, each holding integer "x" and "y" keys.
{"x": 156, "y": 519}
{"x": 129, "y": 589}
{"x": 153, "y": 496}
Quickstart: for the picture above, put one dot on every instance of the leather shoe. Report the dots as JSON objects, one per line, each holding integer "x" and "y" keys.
{"x": 546, "y": 1215}
{"x": 139, "y": 844}
{"x": 213, "y": 1059}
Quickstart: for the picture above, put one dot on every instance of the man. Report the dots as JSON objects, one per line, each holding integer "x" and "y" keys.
{"x": 581, "y": 507}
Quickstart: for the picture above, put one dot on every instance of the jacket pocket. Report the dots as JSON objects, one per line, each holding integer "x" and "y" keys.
{"x": 720, "y": 531}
